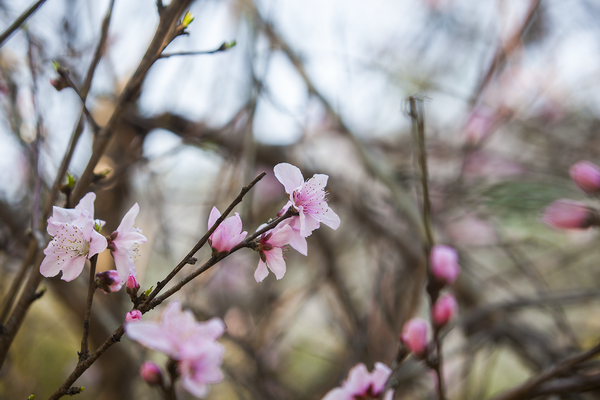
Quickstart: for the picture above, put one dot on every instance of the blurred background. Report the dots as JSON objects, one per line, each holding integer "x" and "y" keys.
{"x": 510, "y": 91}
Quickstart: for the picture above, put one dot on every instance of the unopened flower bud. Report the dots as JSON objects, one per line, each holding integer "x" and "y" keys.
{"x": 414, "y": 336}
{"x": 587, "y": 176}
{"x": 568, "y": 214}
{"x": 151, "y": 373}
{"x": 444, "y": 264}
{"x": 108, "y": 281}
{"x": 133, "y": 316}
{"x": 132, "y": 285}
{"x": 444, "y": 310}
{"x": 59, "y": 83}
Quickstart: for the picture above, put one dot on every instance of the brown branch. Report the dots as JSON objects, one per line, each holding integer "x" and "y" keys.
{"x": 523, "y": 391}
{"x": 12, "y": 326}
{"x": 224, "y": 47}
{"x": 168, "y": 29}
{"x": 19, "y": 21}
{"x": 85, "y": 352}
{"x": 160, "y": 285}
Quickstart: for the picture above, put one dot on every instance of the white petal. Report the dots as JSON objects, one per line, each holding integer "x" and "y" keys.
{"x": 289, "y": 175}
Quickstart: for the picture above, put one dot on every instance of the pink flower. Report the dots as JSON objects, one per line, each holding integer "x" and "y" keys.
{"x": 200, "y": 367}
{"x": 123, "y": 244}
{"x": 587, "y": 176}
{"x": 414, "y": 336}
{"x": 151, "y": 373}
{"x": 74, "y": 240}
{"x": 193, "y": 344}
{"x": 444, "y": 264}
{"x": 271, "y": 252}
{"x": 444, "y": 310}
{"x": 308, "y": 198}
{"x": 227, "y": 235}
{"x": 108, "y": 281}
{"x": 133, "y": 316}
{"x": 362, "y": 384}
{"x": 568, "y": 214}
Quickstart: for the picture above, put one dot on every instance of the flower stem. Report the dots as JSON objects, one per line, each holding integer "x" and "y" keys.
{"x": 85, "y": 352}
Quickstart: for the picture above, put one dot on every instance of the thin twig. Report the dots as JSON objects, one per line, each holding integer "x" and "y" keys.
{"x": 215, "y": 259}
{"x": 19, "y": 21}
{"x": 64, "y": 73}
{"x": 85, "y": 352}
{"x": 160, "y": 285}
{"x": 224, "y": 47}
{"x": 12, "y": 326}
{"x": 168, "y": 29}
{"x": 522, "y": 391}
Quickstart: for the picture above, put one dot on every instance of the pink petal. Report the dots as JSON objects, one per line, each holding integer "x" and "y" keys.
{"x": 214, "y": 328}
{"x": 97, "y": 244}
{"x": 261, "y": 272}
{"x": 213, "y": 217}
{"x": 379, "y": 376}
{"x": 87, "y": 203}
{"x": 330, "y": 218}
{"x": 338, "y": 394}
{"x": 289, "y": 175}
{"x": 358, "y": 380}
{"x": 151, "y": 335}
{"x": 72, "y": 268}
{"x": 281, "y": 236}
{"x": 198, "y": 389}
{"x": 61, "y": 215}
{"x": 275, "y": 262}
{"x": 299, "y": 243}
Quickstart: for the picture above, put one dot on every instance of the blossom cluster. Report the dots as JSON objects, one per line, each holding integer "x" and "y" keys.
{"x": 306, "y": 198}
{"x": 75, "y": 238}
{"x": 571, "y": 214}
{"x": 443, "y": 261}
{"x": 193, "y": 345}
{"x": 363, "y": 385}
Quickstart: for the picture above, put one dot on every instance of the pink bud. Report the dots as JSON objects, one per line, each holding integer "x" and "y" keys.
{"x": 108, "y": 281}
{"x": 587, "y": 176}
{"x": 568, "y": 214}
{"x": 414, "y": 336}
{"x": 151, "y": 373}
{"x": 444, "y": 264}
{"x": 444, "y": 310}
{"x": 132, "y": 285}
{"x": 133, "y": 316}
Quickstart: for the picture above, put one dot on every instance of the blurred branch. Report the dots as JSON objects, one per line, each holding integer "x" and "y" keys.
{"x": 19, "y": 21}
{"x": 168, "y": 29}
{"x": 224, "y": 47}
{"x": 502, "y": 52}
{"x": 14, "y": 323}
{"x": 524, "y": 391}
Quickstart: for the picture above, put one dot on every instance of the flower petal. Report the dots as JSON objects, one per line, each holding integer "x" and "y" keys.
{"x": 261, "y": 272}
{"x": 87, "y": 203}
{"x": 330, "y": 218}
{"x": 289, "y": 175}
{"x": 213, "y": 217}
{"x": 72, "y": 267}
{"x": 275, "y": 262}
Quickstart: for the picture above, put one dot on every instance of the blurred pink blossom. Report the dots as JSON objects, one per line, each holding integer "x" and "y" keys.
{"x": 193, "y": 344}
{"x": 479, "y": 125}
{"x": 568, "y": 214}
{"x": 414, "y": 336}
{"x": 587, "y": 176}
{"x": 151, "y": 373}
{"x": 228, "y": 234}
{"x": 109, "y": 281}
{"x": 271, "y": 252}
{"x": 444, "y": 264}
{"x": 444, "y": 310}
{"x": 74, "y": 240}
{"x": 308, "y": 198}
{"x": 471, "y": 231}
{"x": 133, "y": 316}
{"x": 123, "y": 244}
{"x": 361, "y": 384}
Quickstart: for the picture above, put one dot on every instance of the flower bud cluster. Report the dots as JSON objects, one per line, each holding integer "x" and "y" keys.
{"x": 571, "y": 214}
